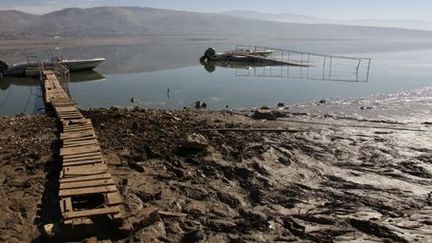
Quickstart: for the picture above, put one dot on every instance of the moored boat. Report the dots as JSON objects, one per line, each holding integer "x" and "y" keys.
{"x": 247, "y": 56}
{"x": 76, "y": 65}
{"x": 82, "y": 64}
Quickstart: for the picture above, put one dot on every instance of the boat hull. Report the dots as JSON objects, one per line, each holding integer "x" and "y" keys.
{"x": 21, "y": 69}
{"x": 82, "y": 65}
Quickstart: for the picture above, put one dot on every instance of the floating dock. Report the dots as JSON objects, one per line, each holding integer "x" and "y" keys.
{"x": 86, "y": 189}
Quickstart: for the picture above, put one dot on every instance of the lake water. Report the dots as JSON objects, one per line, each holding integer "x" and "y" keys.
{"x": 170, "y": 76}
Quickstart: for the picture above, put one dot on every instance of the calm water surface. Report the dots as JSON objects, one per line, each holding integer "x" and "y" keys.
{"x": 170, "y": 76}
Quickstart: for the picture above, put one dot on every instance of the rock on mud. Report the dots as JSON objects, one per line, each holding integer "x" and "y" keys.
{"x": 266, "y": 113}
{"x": 195, "y": 142}
{"x": 263, "y": 113}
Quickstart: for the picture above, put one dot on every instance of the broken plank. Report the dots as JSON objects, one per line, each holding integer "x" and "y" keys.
{"x": 92, "y": 212}
{"x": 172, "y": 214}
{"x": 68, "y": 204}
{"x": 114, "y": 198}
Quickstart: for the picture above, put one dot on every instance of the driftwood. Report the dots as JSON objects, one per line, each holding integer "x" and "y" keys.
{"x": 249, "y": 130}
{"x": 172, "y": 214}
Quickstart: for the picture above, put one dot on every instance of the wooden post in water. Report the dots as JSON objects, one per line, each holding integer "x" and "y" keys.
{"x": 330, "y": 69}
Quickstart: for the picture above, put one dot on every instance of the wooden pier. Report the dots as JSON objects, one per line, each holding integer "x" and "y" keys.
{"x": 86, "y": 187}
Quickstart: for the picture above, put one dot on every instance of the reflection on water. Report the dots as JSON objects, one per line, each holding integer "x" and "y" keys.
{"x": 170, "y": 76}
{"x": 341, "y": 72}
{"x": 86, "y": 76}
{"x": 6, "y": 82}
{"x": 23, "y": 95}
{"x": 283, "y": 63}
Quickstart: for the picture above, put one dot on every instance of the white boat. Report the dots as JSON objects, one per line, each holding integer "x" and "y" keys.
{"x": 82, "y": 64}
{"x": 77, "y": 65}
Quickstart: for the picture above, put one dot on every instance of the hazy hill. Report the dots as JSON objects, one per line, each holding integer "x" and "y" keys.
{"x": 294, "y": 18}
{"x": 277, "y": 17}
{"x": 11, "y": 20}
{"x": 136, "y": 21}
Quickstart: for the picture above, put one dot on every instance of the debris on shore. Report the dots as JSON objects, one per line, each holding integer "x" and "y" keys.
{"x": 183, "y": 181}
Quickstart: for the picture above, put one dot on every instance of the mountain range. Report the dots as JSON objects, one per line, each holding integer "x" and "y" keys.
{"x": 141, "y": 21}
{"x": 416, "y": 24}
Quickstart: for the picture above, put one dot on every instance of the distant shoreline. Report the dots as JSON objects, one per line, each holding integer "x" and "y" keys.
{"x": 93, "y": 41}
{"x": 136, "y": 40}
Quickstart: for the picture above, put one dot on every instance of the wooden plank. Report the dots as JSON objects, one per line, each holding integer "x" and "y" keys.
{"x": 78, "y": 129}
{"x": 66, "y": 109}
{"x": 85, "y": 170}
{"x": 86, "y": 124}
{"x": 68, "y": 204}
{"x": 172, "y": 214}
{"x": 74, "y": 127}
{"x": 85, "y": 155}
{"x": 114, "y": 198}
{"x": 87, "y": 159}
{"x": 87, "y": 130}
{"x": 92, "y": 142}
{"x": 72, "y": 140}
{"x": 92, "y": 212}
{"x": 90, "y": 157}
{"x": 79, "y": 150}
{"x": 62, "y": 206}
{"x": 63, "y": 101}
{"x": 60, "y": 104}
{"x": 80, "y": 134}
{"x": 76, "y": 121}
{"x": 83, "y": 141}
{"x": 80, "y": 221}
{"x": 86, "y": 191}
{"x": 69, "y": 113}
{"x": 85, "y": 178}
{"x": 78, "y": 141}
{"x": 118, "y": 216}
{"x": 83, "y": 121}
{"x": 70, "y": 117}
{"x": 84, "y": 184}
{"x": 85, "y": 162}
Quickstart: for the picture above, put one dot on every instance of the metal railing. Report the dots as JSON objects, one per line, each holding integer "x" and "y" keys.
{"x": 312, "y": 66}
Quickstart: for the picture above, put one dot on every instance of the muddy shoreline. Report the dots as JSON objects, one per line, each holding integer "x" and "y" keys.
{"x": 295, "y": 176}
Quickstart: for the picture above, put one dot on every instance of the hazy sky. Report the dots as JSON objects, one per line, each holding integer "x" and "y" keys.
{"x": 335, "y": 9}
